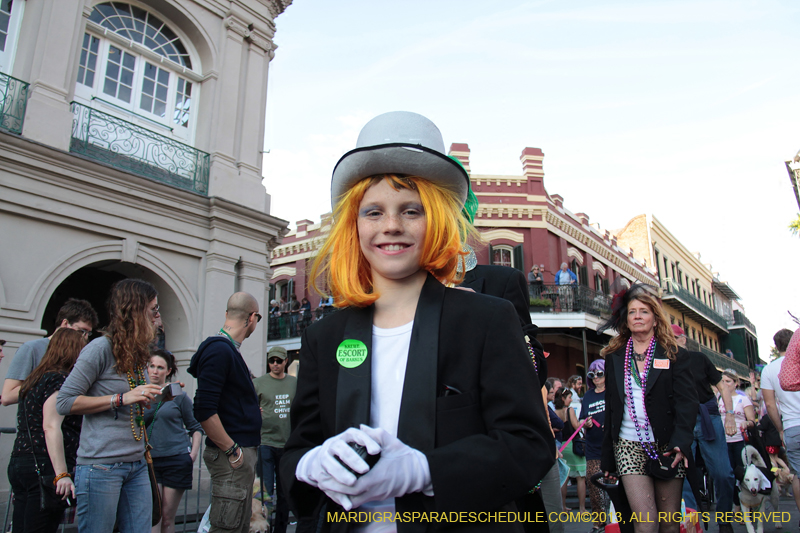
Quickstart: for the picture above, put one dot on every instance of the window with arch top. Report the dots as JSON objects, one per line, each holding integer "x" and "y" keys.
{"x": 132, "y": 60}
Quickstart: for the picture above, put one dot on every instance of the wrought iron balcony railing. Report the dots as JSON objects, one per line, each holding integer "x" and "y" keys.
{"x": 672, "y": 288}
{"x": 125, "y": 145}
{"x": 719, "y": 360}
{"x": 289, "y": 325}
{"x": 739, "y": 319}
{"x": 569, "y": 299}
{"x": 13, "y": 100}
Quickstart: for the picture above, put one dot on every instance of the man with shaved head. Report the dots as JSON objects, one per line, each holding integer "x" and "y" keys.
{"x": 226, "y": 405}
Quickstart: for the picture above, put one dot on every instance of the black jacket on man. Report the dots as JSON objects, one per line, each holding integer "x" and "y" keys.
{"x": 504, "y": 282}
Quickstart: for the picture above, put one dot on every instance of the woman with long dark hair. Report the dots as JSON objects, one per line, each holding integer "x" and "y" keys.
{"x": 43, "y": 433}
{"x": 109, "y": 387}
{"x": 174, "y": 451}
{"x": 651, "y": 407}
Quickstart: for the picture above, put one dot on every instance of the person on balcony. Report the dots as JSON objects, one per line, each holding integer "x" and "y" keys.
{"x": 566, "y": 281}
{"x": 535, "y": 282}
{"x": 402, "y": 368}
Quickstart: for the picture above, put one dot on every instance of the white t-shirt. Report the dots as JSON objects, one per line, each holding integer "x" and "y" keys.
{"x": 389, "y": 358}
{"x": 628, "y": 430}
{"x": 740, "y": 401}
{"x": 788, "y": 402}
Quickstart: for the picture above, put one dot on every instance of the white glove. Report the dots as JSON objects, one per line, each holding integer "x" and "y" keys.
{"x": 320, "y": 468}
{"x": 401, "y": 470}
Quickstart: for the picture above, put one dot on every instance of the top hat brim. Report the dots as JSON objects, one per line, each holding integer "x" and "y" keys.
{"x": 398, "y": 158}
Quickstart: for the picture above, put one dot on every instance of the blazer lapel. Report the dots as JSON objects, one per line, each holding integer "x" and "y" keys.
{"x": 354, "y": 385}
{"x": 417, "y": 422}
{"x": 655, "y": 372}
{"x": 619, "y": 373}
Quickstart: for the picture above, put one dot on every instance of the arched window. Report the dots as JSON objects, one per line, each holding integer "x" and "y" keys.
{"x": 132, "y": 61}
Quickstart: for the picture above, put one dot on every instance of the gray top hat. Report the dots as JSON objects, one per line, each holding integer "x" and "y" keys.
{"x": 399, "y": 142}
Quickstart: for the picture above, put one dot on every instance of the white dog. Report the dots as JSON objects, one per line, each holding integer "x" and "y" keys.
{"x": 751, "y": 487}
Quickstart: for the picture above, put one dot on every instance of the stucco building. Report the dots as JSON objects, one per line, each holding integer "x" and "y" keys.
{"x": 130, "y": 145}
{"x": 694, "y": 296}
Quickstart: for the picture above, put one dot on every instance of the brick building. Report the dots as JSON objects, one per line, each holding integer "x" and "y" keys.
{"x": 521, "y": 225}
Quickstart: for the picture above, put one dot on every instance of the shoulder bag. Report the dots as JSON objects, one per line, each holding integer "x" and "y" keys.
{"x": 49, "y": 499}
{"x": 151, "y": 471}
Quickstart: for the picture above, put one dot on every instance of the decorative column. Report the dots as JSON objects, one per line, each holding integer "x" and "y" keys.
{"x": 50, "y": 34}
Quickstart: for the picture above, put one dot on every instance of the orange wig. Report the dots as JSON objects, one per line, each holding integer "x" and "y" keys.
{"x": 343, "y": 266}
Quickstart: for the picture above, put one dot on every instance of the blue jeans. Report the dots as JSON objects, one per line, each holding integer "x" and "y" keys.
{"x": 109, "y": 493}
{"x": 715, "y": 455}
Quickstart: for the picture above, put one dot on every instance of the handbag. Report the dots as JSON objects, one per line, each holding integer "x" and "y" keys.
{"x": 151, "y": 471}
{"x": 789, "y": 375}
{"x": 579, "y": 445}
{"x": 661, "y": 468}
{"x": 49, "y": 499}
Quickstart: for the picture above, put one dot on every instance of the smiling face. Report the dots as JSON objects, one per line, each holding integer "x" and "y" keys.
{"x": 391, "y": 232}
{"x": 640, "y": 318}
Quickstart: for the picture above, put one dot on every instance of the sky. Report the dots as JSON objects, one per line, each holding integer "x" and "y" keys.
{"x": 683, "y": 109}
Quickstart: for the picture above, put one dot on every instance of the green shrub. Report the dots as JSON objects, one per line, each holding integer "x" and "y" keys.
{"x": 541, "y": 302}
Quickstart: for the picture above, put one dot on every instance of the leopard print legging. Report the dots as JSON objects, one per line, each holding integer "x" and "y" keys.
{"x": 595, "y": 493}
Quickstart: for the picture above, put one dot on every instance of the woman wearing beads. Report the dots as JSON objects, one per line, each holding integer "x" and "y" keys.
{"x": 173, "y": 452}
{"x": 651, "y": 406}
{"x": 43, "y": 436}
{"x": 437, "y": 380}
{"x": 109, "y": 387}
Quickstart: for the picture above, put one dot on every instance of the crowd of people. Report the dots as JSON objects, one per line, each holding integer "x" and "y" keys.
{"x": 426, "y": 392}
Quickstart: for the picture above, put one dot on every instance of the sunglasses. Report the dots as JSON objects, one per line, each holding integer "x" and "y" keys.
{"x": 598, "y": 374}
{"x": 258, "y": 317}
{"x": 275, "y": 361}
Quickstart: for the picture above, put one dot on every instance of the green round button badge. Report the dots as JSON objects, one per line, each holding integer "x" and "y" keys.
{"x": 351, "y": 353}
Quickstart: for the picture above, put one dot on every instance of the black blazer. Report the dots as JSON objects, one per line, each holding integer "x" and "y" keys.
{"x": 504, "y": 282}
{"x": 485, "y": 446}
{"x": 670, "y": 400}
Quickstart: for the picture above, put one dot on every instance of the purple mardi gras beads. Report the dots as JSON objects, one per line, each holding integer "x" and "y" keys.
{"x": 648, "y": 447}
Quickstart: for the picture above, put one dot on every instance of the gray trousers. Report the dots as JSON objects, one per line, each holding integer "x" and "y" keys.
{"x": 231, "y": 490}
{"x": 551, "y": 494}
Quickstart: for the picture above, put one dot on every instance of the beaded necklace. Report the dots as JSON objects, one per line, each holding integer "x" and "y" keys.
{"x": 153, "y": 423}
{"x": 648, "y": 447}
{"x": 533, "y": 356}
{"x": 137, "y": 411}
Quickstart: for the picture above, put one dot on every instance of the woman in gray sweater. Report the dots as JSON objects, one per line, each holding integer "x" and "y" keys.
{"x": 173, "y": 453}
{"x": 108, "y": 385}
